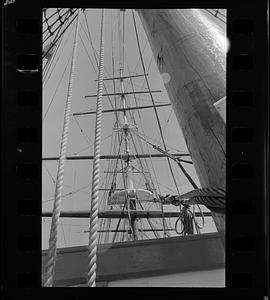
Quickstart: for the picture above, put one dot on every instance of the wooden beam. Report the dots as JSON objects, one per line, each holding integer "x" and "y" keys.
{"x": 114, "y": 214}
{"x": 113, "y": 156}
{"x": 121, "y": 109}
{"x": 125, "y": 93}
{"x": 124, "y": 172}
{"x": 140, "y": 230}
{"x": 124, "y": 77}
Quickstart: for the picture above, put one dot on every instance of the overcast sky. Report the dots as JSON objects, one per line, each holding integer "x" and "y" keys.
{"x": 81, "y": 133}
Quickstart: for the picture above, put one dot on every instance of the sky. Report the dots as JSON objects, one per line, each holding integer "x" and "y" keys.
{"x": 78, "y": 174}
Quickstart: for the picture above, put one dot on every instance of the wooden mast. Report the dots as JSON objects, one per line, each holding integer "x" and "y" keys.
{"x": 191, "y": 57}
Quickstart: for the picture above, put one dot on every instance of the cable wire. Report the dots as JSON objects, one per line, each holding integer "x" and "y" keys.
{"x": 56, "y": 90}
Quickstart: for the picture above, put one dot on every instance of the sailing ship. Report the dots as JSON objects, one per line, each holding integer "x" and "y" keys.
{"x": 137, "y": 237}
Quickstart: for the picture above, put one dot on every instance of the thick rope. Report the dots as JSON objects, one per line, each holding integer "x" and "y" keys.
{"x": 212, "y": 197}
{"x": 60, "y": 174}
{"x": 93, "y": 235}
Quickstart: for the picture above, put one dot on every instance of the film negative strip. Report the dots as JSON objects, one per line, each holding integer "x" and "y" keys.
{"x": 21, "y": 146}
{"x": 247, "y": 161}
{"x": 244, "y": 243}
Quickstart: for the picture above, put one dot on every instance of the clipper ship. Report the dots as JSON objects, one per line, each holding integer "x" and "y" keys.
{"x": 135, "y": 100}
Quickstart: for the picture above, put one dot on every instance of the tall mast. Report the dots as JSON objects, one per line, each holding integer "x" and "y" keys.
{"x": 190, "y": 54}
{"x": 131, "y": 200}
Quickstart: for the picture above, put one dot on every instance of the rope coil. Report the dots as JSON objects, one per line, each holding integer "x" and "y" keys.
{"x": 212, "y": 197}
{"x": 186, "y": 218}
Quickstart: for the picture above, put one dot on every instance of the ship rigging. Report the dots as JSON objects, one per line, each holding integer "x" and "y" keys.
{"x": 128, "y": 203}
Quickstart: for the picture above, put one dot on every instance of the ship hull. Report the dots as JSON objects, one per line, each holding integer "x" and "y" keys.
{"x": 172, "y": 261}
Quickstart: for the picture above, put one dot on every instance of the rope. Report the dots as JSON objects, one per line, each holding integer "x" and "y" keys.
{"x": 153, "y": 102}
{"x": 46, "y": 74}
{"x": 212, "y": 197}
{"x": 186, "y": 217}
{"x": 160, "y": 129}
{"x": 73, "y": 192}
{"x": 146, "y": 179}
{"x": 85, "y": 148}
{"x": 45, "y": 17}
{"x": 93, "y": 239}
{"x": 120, "y": 137}
{"x": 94, "y": 51}
{"x": 69, "y": 193}
{"x": 49, "y": 26}
{"x": 90, "y": 38}
{"x": 87, "y": 54}
{"x": 58, "y": 29}
{"x": 59, "y": 16}
{"x": 56, "y": 39}
{"x": 56, "y": 90}
{"x": 93, "y": 48}
{"x": 120, "y": 40}
{"x": 136, "y": 102}
{"x": 216, "y": 14}
{"x": 191, "y": 181}
{"x": 82, "y": 132}
{"x": 60, "y": 175}
{"x": 106, "y": 222}
{"x": 49, "y": 62}
{"x": 47, "y": 170}
{"x": 123, "y": 43}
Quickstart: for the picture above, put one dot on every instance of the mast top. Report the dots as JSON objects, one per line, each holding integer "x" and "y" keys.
{"x": 120, "y": 197}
